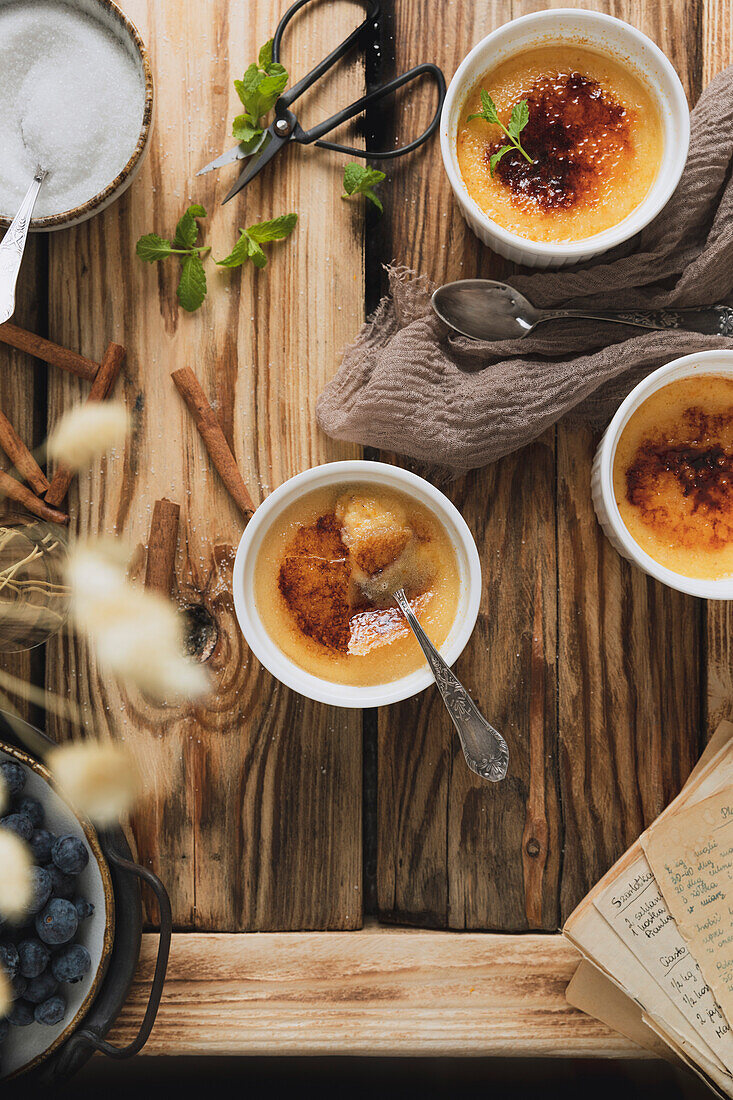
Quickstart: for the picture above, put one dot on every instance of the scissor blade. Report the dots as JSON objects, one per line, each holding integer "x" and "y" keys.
{"x": 273, "y": 147}
{"x": 225, "y": 158}
{"x": 237, "y": 153}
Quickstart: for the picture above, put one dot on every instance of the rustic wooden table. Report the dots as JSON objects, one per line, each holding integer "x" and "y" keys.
{"x": 292, "y": 817}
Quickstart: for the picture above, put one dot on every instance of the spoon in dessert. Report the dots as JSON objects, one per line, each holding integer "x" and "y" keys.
{"x": 484, "y": 748}
{"x": 12, "y": 246}
{"x": 483, "y": 309}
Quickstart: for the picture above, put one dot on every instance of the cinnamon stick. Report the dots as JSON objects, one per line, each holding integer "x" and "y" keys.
{"x": 48, "y": 351}
{"x": 20, "y": 456}
{"x": 162, "y": 543}
{"x": 214, "y": 439}
{"x": 102, "y": 385}
{"x": 14, "y": 490}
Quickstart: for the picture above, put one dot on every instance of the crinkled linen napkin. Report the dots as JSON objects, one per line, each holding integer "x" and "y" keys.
{"x": 410, "y": 385}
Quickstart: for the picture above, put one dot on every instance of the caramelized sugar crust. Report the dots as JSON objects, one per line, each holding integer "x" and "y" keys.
{"x": 683, "y": 484}
{"x": 575, "y": 129}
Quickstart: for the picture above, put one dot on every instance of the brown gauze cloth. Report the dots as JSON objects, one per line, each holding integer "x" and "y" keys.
{"x": 408, "y": 384}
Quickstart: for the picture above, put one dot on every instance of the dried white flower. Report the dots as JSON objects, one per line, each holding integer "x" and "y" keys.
{"x": 88, "y": 431}
{"x": 101, "y": 780}
{"x": 16, "y": 880}
{"x": 6, "y": 995}
{"x": 137, "y": 635}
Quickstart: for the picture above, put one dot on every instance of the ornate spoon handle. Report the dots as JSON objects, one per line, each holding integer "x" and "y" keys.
{"x": 13, "y": 247}
{"x": 710, "y": 321}
{"x": 484, "y": 748}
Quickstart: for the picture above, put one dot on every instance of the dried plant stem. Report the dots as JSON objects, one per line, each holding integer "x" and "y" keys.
{"x": 11, "y": 685}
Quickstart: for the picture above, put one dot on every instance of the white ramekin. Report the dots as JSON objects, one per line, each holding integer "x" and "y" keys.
{"x": 606, "y": 35}
{"x": 604, "y": 498}
{"x": 334, "y": 473}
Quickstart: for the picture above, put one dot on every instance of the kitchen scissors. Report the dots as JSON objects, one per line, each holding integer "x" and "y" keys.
{"x": 286, "y": 128}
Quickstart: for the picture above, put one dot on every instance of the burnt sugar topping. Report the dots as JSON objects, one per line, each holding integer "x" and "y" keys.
{"x": 315, "y": 582}
{"x": 576, "y": 131}
{"x": 682, "y": 485}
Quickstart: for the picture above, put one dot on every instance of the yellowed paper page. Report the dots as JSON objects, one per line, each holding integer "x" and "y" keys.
{"x": 691, "y": 854}
{"x": 633, "y": 905}
{"x": 593, "y": 993}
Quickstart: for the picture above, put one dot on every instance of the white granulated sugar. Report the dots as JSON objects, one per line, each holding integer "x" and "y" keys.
{"x": 71, "y": 99}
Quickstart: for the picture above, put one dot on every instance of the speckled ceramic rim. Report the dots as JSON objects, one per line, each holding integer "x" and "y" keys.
{"x": 344, "y": 473}
{"x": 109, "y": 898}
{"x": 587, "y": 28}
{"x": 604, "y": 498}
{"x": 128, "y": 173}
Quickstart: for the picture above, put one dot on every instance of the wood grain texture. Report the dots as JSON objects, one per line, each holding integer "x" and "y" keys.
{"x": 455, "y": 851}
{"x": 717, "y": 54}
{"x": 22, "y": 396}
{"x": 380, "y": 992}
{"x": 262, "y": 824}
{"x": 631, "y": 650}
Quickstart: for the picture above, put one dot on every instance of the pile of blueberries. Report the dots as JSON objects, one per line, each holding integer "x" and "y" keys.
{"x": 39, "y": 955}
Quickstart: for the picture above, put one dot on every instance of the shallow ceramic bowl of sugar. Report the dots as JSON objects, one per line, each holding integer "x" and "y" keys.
{"x": 108, "y": 16}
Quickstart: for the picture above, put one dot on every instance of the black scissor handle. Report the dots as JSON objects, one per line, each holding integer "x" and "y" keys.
{"x": 305, "y": 82}
{"x": 426, "y": 69}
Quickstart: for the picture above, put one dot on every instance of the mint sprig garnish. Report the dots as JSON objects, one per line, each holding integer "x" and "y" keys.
{"x": 192, "y": 284}
{"x": 517, "y": 121}
{"x": 259, "y": 90}
{"x": 249, "y": 245}
{"x": 361, "y": 180}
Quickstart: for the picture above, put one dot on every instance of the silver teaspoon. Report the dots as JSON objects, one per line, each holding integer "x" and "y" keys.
{"x": 484, "y": 748}
{"x": 486, "y": 310}
{"x": 13, "y": 246}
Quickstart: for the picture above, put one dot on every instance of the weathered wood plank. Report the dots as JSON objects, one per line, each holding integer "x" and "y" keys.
{"x": 455, "y": 851}
{"x": 629, "y": 648}
{"x": 374, "y": 992}
{"x": 22, "y": 399}
{"x": 261, "y": 827}
{"x": 717, "y": 54}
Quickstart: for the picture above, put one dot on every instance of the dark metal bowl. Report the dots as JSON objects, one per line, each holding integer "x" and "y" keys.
{"x": 106, "y": 1006}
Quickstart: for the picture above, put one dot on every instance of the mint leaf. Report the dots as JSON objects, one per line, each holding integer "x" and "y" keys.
{"x": 519, "y": 118}
{"x": 151, "y": 248}
{"x": 187, "y": 229}
{"x": 264, "y": 59}
{"x": 250, "y": 240}
{"x": 247, "y": 134}
{"x": 494, "y": 160}
{"x": 359, "y": 179}
{"x": 275, "y": 230}
{"x": 192, "y": 286}
{"x": 488, "y": 109}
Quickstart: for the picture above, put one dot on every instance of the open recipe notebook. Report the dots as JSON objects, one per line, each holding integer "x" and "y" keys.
{"x": 657, "y": 931}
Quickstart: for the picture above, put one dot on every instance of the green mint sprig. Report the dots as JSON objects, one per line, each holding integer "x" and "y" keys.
{"x": 259, "y": 89}
{"x": 192, "y": 284}
{"x": 517, "y": 121}
{"x": 361, "y": 180}
{"x": 249, "y": 245}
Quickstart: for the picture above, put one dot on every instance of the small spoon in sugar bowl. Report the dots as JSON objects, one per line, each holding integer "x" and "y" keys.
{"x": 12, "y": 246}
{"x": 484, "y": 748}
{"x": 483, "y": 309}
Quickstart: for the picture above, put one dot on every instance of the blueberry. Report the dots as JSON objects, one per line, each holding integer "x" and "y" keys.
{"x": 83, "y": 908}
{"x": 51, "y": 1011}
{"x": 21, "y": 1014}
{"x": 62, "y": 886}
{"x": 19, "y": 984}
{"x": 9, "y": 958}
{"x": 19, "y": 824}
{"x": 41, "y": 889}
{"x": 58, "y": 922}
{"x": 41, "y": 843}
{"x": 71, "y": 964}
{"x": 33, "y": 809}
{"x": 34, "y": 957}
{"x": 4, "y": 1029}
{"x": 14, "y": 777}
{"x": 70, "y": 855}
{"x": 41, "y": 988}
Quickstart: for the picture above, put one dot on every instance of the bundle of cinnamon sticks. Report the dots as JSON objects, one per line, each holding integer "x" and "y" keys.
{"x": 41, "y": 497}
